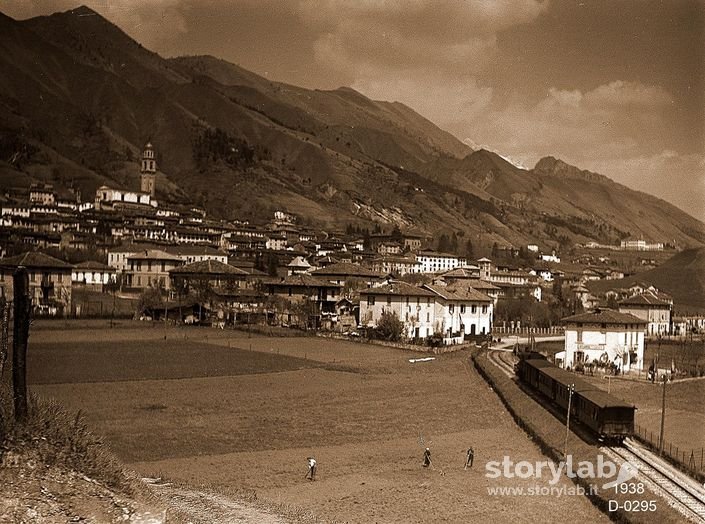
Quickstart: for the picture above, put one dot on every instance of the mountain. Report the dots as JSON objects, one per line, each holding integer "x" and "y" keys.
{"x": 79, "y": 98}
{"x": 681, "y": 276}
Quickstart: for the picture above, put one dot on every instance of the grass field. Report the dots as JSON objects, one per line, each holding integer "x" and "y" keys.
{"x": 233, "y": 412}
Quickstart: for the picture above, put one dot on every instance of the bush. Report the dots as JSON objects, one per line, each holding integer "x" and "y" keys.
{"x": 389, "y": 327}
{"x": 58, "y": 438}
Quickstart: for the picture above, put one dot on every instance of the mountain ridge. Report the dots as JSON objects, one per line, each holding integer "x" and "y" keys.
{"x": 332, "y": 157}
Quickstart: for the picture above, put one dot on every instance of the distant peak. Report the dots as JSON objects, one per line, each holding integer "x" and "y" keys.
{"x": 556, "y": 167}
{"x": 82, "y": 11}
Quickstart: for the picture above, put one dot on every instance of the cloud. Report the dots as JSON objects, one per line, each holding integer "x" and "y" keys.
{"x": 617, "y": 119}
{"x": 622, "y": 93}
{"x": 424, "y": 53}
{"x": 448, "y": 37}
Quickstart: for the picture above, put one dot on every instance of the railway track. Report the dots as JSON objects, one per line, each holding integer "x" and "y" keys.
{"x": 679, "y": 491}
{"x": 502, "y": 359}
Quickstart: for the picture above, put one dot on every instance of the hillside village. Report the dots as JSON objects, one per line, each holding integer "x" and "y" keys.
{"x": 177, "y": 264}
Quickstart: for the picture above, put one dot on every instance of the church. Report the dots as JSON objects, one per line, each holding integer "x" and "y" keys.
{"x": 107, "y": 198}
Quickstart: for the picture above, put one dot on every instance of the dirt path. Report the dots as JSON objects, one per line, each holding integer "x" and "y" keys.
{"x": 209, "y": 508}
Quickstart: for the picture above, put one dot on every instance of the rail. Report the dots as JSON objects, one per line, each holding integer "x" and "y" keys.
{"x": 682, "y": 493}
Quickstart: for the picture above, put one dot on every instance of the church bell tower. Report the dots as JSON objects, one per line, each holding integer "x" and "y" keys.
{"x": 148, "y": 170}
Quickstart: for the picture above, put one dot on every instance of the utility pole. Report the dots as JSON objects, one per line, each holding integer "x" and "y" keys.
{"x": 663, "y": 415}
{"x": 571, "y": 387}
{"x": 22, "y": 307}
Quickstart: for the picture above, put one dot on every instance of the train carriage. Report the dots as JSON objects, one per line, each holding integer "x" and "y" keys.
{"x": 605, "y": 415}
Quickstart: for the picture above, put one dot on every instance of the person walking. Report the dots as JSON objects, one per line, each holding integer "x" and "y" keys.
{"x": 311, "y": 475}
{"x": 470, "y": 457}
{"x": 427, "y": 458}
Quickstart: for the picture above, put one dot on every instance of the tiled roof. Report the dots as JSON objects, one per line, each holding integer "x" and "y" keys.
{"x": 153, "y": 254}
{"x": 461, "y": 272}
{"x": 603, "y": 316}
{"x": 35, "y": 259}
{"x": 398, "y": 288}
{"x": 644, "y": 299}
{"x": 208, "y": 267}
{"x": 92, "y": 264}
{"x": 345, "y": 269}
{"x": 458, "y": 292}
{"x": 299, "y": 262}
{"x": 131, "y": 248}
{"x": 299, "y": 281}
{"x": 481, "y": 284}
{"x": 182, "y": 250}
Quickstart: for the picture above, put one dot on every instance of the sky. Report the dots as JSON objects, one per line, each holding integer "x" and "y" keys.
{"x": 613, "y": 86}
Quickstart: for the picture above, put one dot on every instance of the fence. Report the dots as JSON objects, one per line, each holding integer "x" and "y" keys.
{"x": 690, "y": 460}
{"x": 513, "y": 330}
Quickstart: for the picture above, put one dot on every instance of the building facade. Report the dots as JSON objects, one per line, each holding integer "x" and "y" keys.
{"x": 604, "y": 336}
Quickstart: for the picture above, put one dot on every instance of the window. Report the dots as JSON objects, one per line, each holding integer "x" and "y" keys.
{"x": 484, "y": 309}
{"x": 474, "y": 308}
{"x": 428, "y": 316}
{"x": 451, "y": 308}
{"x": 370, "y": 300}
{"x": 389, "y": 300}
{"x": 462, "y": 308}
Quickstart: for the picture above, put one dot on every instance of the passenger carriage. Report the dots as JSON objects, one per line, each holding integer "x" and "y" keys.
{"x": 606, "y": 416}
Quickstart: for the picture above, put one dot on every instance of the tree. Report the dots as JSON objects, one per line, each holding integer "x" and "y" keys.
{"x": 150, "y": 299}
{"x": 396, "y": 234}
{"x": 389, "y": 327}
{"x": 272, "y": 264}
{"x": 453, "y": 243}
{"x": 443, "y": 243}
{"x": 469, "y": 250}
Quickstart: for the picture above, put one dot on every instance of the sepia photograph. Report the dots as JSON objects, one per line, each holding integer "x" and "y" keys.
{"x": 352, "y": 261}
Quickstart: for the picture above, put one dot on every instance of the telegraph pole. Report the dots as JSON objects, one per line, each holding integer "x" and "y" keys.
{"x": 22, "y": 312}
{"x": 571, "y": 387}
{"x": 663, "y": 416}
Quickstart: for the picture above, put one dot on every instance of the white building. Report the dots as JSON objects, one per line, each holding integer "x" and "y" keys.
{"x": 92, "y": 274}
{"x": 397, "y": 265}
{"x": 451, "y": 311}
{"x": 109, "y": 198}
{"x": 651, "y": 309}
{"x": 605, "y": 336}
{"x": 461, "y": 311}
{"x": 433, "y": 261}
{"x": 42, "y": 194}
{"x": 640, "y": 245}
{"x": 415, "y": 306}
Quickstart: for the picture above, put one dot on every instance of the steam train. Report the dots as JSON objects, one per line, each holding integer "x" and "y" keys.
{"x": 605, "y": 416}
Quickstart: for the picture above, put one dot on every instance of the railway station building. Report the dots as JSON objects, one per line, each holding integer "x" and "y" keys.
{"x": 603, "y": 337}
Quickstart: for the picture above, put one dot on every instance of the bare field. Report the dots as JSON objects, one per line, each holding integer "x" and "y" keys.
{"x": 235, "y": 412}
